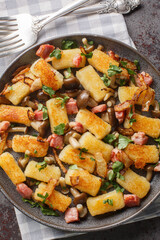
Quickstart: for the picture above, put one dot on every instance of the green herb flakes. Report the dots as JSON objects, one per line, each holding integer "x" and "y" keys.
{"x": 132, "y": 120}
{"x": 122, "y": 82}
{"x": 69, "y": 72}
{"x": 111, "y": 175}
{"x": 35, "y": 151}
{"x": 120, "y": 176}
{"x": 69, "y": 44}
{"x": 104, "y": 186}
{"x": 87, "y": 55}
{"x": 110, "y": 138}
{"x": 73, "y": 167}
{"x": 56, "y": 53}
{"x": 123, "y": 141}
{"x": 42, "y": 165}
{"x": 106, "y": 80}
{"x": 90, "y": 42}
{"x": 117, "y": 166}
{"x": 80, "y": 154}
{"x": 113, "y": 69}
{"x": 48, "y": 90}
{"x": 92, "y": 159}
{"x": 109, "y": 201}
{"x": 136, "y": 62}
{"x": 123, "y": 64}
{"x": 62, "y": 100}
{"x": 44, "y": 110}
{"x": 59, "y": 129}
{"x": 43, "y": 197}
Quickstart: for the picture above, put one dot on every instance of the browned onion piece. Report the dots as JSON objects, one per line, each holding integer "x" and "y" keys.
{"x": 74, "y": 180}
{"x": 125, "y": 131}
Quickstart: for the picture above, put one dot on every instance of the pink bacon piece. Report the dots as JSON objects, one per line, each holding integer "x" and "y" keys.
{"x": 100, "y": 108}
{"x": 45, "y": 50}
{"x": 139, "y": 138}
{"x": 71, "y": 215}
{"x": 38, "y": 115}
{"x": 24, "y": 190}
{"x": 77, "y": 126}
{"x": 71, "y": 106}
{"x": 56, "y": 141}
{"x": 131, "y": 200}
{"x": 120, "y": 116}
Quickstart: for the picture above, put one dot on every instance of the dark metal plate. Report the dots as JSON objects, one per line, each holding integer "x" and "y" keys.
{"x": 90, "y": 223}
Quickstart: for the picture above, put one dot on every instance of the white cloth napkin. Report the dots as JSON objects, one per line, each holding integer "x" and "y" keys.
{"x": 109, "y": 25}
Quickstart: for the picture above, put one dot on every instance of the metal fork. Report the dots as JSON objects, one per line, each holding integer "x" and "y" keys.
{"x": 21, "y": 31}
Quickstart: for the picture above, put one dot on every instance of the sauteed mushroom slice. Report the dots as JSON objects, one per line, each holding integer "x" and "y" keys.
{"x": 18, "y": 129}
{"x": 73, "y": 93}
{"x": 64, "y": 188}
{"x": 156, "y": 112}
{"x": 82, "y": 99}
{"x": 40, "y": 126}
{"x": 82, "y": 210}
{"x": 79, "y": 198}
{"x": 42, "y": 96}
{"x": 89, "y": 46}
{"x": 26, "y": 102}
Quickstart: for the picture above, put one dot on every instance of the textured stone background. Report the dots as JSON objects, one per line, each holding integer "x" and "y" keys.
{"x": 144, "y": 28}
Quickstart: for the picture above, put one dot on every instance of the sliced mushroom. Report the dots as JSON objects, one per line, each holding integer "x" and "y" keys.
{"x": 92, "y": 103}
{"x": 111, "y": 116}
{"x": 36, "y": 85}
{"x": 40, "y": 126}
{"x": 74, "y": 143}
{"x": 125, "y": 131}
{"x": 71, "y": 83}
{"x": 88, "y": 48}
{"x": 67, "y": 136}
{"x": 82, "y": 99}
{"x": 26, "y": 102}
{"x": 79, "y": 198}
{"x": 42, "y": 96}
{"x": 82, "y": 210}
{"x": 149, "y": 174}
{"x": 50, "y": 159}
{"x": 64, "y": 188}
{"x": 4, "y": 100}
{"x": 22, "y": 162}
{"x": 156, "y": 112}
{"x": 18, "y": 129}
{"x": 73, "y": 93}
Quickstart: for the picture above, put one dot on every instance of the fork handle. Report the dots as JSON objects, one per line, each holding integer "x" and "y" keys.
{"x": 63, "y": 11}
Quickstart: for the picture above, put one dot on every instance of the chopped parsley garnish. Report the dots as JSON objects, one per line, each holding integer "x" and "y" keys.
{"x": 106, "y": 80}
{"x": 35, "y": 151}
{"x": 117, "y": 166}
{"x": 113, "y": 69}
{"x": 122, "y": 82}
{"x": 109, "y": 201}
{"x": 73, "y": 167}
{"x": 157, "y": 140}
{"x": 42, "y": 165}
{"x": 43, "y": 197}
{"x": 136, "y": 62}
{"x": 46, "y": 211}
{"x": 111, "y": 175}
{"x": 44, "y": 110}
{"x": 26, "y": 155}
{"x": 132, "y": 79}
{"x": 62, "y": 100}
{"x": 81, "y": 151}
{"x": 110, "y": 138}
{"x": 12, "y": 125}
{"x": 56, "y": 53}
{"x": 123, "y": 64}
{"x": 104, "y": 186}
{"x": 48, "y": 90}
{"x": 123, "y": 141}
{"x": 117, "y": 187}
{"x": 120, "y": 176}
{"x": 69, "y": 72}
{"x": 87, "y": 55}
{"x": 132, "y": 120}
{"x": 69, "y": 44}
{"x": 130, "y": 71}
{"x": 90, "y": 42}
{"x": 92, "y": 159}
{"x": 59, "y": 129}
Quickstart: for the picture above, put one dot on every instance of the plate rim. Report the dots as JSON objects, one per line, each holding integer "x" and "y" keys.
{"x": 70, "y": 228}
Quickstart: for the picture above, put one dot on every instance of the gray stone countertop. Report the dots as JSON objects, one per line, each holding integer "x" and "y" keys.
{"x": 144, "y": 28}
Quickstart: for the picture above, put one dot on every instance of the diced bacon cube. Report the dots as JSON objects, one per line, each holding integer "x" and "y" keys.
{"x": 24, "y": 190}
{"x": 38, "y": 115}
{"x": 120, "y": 116}
{"x": 100, "y": 108}
{"x": 131, "y": 200}
{"x": 116, "y": 155}
{"x": 4, "y": 126}
{"x": 56, "y": 141}
{"x": 71, "y": 106}
{"x": 157, "y": 168}
{"x": 44, "y": 50}
{"x": 77, "y": 60}
{"x": 139, "y": 138}
{"x": 77, "y": 126}
{"x": 147, "y": 78}
{"x": 71, "y": 215}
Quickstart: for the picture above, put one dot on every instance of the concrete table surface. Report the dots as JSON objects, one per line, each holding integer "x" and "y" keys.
{"x": 144, "y": 28}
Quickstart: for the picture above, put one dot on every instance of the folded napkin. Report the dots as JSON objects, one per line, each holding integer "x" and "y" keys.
{"x": 109, "y": 25}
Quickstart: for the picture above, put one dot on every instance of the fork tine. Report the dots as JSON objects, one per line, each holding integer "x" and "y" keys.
{"x": 8, "y": 28}
{"x": 8, "y": 23}
{"x": 8, "y": 37}
{"x": 11, "y": 42}
{"x": 12, "y": 47}
{"x": 7, "y": 19}
{"x": 12, "y": 51}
